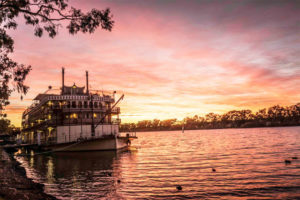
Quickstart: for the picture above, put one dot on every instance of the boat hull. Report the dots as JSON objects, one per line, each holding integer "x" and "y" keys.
{"x": 98, "y": 144}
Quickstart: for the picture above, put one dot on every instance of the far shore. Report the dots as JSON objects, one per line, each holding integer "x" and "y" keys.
{"x": 208, "y": 129}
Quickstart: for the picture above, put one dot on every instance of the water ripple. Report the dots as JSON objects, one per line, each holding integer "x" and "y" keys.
{"x": 248, "y": 163}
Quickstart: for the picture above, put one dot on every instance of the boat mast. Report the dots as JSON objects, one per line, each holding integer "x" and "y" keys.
{"x": 63, "y": 80}
{"x": 87, "y": 82}
{"x": 90, "y": 96}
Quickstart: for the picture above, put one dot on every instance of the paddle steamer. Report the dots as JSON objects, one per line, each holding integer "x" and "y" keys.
{"x": 75, "y": 119}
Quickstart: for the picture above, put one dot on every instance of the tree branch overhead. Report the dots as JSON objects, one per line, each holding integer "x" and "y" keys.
{"x": 44, "y": 16}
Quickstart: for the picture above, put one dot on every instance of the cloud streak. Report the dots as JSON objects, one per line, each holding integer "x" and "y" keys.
{"x": 176, "y": 58}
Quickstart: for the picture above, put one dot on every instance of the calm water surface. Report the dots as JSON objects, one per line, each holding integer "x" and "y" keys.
{"x": 249, "y": 164}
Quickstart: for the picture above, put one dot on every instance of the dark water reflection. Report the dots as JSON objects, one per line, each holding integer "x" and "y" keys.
{"x": 249, "y": 164}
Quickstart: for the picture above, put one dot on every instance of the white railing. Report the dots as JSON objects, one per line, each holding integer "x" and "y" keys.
{"x": 76, "y": 97}
{"x": 128, "y": 134}
{"x": 68, "y": 97}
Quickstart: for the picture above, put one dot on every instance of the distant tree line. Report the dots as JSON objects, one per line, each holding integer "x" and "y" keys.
{"x": 6, "y": 128}
{"x": 273, "y": 116}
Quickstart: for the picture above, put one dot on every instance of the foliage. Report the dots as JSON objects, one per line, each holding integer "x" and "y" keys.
{"x": 273, "y": 116}
{"x": 45, "y": 16}
{"x": 6, "y": 127}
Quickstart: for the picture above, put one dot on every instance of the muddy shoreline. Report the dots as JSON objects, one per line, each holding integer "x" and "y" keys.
{"x": 14, "y": 183}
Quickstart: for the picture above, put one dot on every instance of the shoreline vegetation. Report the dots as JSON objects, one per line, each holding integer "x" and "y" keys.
{"x": 14, "y": 184}
{"x": 274, "y": 116}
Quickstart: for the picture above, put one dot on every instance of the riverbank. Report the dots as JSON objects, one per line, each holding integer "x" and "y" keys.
{"x": 13, "y": 181}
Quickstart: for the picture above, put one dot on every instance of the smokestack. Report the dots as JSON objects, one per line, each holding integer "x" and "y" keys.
{"x": 63, "y": 80}
{"x": 87, "y": 82}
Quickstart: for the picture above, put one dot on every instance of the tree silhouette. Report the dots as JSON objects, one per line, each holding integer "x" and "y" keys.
{"x": 45, "y": 16}
{"x": 273, "y": 116}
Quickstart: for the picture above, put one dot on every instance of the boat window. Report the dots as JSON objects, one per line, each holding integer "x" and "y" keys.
{"x": 85, "y": 104}
{"x": 68, "y": 104}
{"x": 91, "y": 104}
{"x": 96, "y": 105}
{"x": 79, "y": 104}
{"x": 73, "y": 104}
{"x": 56, "y": 104}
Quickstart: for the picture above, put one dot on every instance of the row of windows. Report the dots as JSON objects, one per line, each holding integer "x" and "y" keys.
{"x": 84, "y": 104}
{"x": 67, "y": 116}
{"x": 74, "y": 104}
{"x": 83, "y": 116}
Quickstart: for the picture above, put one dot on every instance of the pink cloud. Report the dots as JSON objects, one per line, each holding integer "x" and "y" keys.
{"x": 171, "y": 57}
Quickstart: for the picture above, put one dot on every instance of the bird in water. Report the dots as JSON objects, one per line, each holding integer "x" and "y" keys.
{"x": 287, "y": 162}
{"x": 295, "y": 158}
{"x": 213, "y": 170}
{"x": 178, "y": 187}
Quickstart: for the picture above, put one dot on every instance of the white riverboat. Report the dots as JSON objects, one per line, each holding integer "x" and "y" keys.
{"x": 75, "y": 119}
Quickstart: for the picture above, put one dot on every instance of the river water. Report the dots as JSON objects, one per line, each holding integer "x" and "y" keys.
{"x": 249, "y": 164}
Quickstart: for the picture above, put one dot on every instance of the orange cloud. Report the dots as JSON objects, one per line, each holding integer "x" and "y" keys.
{"x": 170, "y": 60}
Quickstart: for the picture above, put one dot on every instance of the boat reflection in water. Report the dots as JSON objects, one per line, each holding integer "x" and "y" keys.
{"x": 67, "y": 174}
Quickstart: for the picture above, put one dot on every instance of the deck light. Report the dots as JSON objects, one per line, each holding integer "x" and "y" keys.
{"x": 50, "y": 129}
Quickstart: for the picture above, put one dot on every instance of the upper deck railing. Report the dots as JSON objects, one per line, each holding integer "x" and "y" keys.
{"x": 67, "y": 98}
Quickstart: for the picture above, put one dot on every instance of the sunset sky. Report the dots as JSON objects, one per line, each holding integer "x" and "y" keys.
{"x": 173, "y": 59}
